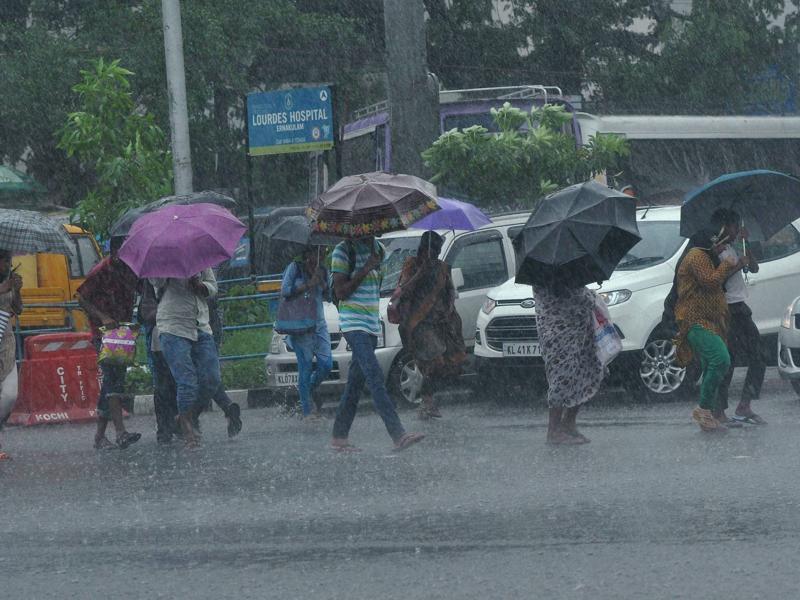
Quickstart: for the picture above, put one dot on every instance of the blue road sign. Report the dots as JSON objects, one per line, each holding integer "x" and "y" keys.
{"x": 294, "y": 120}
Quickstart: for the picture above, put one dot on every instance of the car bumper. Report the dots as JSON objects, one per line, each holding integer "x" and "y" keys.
{"x": 789, "y": 353}
{"x": 282, "y": 370}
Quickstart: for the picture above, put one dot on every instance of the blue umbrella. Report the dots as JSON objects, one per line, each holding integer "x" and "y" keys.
{"x": 454, "y": 214}
{"x": 767, "y": 201}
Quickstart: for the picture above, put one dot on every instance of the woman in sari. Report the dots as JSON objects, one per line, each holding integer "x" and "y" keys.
{"x": 430, "y": 326}
{"x": 701, "y": 313}
{"x": 574, "y": 372}
{"x": 10, "y": 305}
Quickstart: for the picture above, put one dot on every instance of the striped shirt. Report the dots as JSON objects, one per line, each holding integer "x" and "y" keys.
{"x": 359, "y": 312}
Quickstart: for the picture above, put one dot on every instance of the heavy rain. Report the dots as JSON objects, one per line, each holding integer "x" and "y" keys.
{"x": 399, "y": 299}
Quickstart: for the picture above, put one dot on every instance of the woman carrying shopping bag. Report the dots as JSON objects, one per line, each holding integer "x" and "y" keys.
{"x": 302, "y": 316}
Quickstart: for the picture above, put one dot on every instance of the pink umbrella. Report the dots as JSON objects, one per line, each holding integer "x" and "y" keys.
{"x": 181, "y": 241}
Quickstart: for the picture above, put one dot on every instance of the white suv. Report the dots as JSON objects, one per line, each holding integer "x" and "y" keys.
{"x": 480, "y": 260}
{"x": 506, "y": 339}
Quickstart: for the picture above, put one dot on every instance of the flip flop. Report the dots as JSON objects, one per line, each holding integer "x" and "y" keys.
{"x": 752, "y": 419}
{"x": 406, "y": 440}
{"x": 345, "y": 448}
{"x": 4, "y": 456}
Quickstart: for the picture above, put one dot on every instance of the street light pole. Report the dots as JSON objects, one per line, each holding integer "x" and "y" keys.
{"x": 176, "y": 92}
{"x": 413, "y": 92}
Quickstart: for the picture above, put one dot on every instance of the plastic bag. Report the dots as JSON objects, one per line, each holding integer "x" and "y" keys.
{"x": 606, "y": 338}
{"x": 118, "y": 346}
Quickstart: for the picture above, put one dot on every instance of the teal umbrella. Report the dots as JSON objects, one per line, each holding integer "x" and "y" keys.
{"x": 15, "y": 182}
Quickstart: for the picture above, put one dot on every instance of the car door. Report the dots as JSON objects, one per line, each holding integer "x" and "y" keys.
{"x": 777, "y": 282}
{"x": 481, "y": 257}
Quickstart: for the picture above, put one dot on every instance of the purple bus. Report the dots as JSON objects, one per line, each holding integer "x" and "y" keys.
{"x": 367, "y": 140}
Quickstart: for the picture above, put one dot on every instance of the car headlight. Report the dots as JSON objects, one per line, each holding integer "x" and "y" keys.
{"x": 616, "y": 297}
{"x": 488, "y": 306}
{"x": 276, "y": 345}
{"x": 786, "y": 323}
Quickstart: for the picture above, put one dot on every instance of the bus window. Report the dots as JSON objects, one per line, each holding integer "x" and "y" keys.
{"x": 87, "y": 252}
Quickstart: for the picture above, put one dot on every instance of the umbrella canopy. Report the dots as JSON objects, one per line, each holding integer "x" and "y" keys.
{"x": 454, "y": 214}
{"x": 29, "y": 232}
{"x": 372, "y": 204}
{"x": 576, "y": 236}
{"x": 180, "y": 241}
{"x": 15, "y": 182}
{"x": 767, "y": 201}
{"x": 123, "y": 225}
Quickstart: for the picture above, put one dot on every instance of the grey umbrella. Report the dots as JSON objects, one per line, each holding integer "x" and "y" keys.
{"x": 29, "y": 232}
{"x": 122, "y": 226}
{"x": 287, "y": 237}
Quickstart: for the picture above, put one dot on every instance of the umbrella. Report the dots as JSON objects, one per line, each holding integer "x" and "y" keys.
{"x": 123, "y": 224}
{"x": 29, "y": 232}
{"x": 15, "y": 182}
{"x": 767, "y": 201}
{"x": 287, "y": 237}
{"x": 576, "y": 236}
{"x": 180, "y": 241}
{"x": 454, "y": 214}
{"x": 372, "y": 204}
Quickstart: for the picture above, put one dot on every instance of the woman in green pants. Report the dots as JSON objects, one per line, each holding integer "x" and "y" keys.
{"x": 702, "y": 316}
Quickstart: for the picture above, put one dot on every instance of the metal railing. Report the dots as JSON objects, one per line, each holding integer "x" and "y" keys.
{"x": 270, "y": 298}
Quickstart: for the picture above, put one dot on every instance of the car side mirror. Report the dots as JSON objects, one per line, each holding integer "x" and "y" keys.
{"x": 458, "y": 278}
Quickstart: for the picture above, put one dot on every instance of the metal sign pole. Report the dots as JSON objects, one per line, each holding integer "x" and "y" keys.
{"x": 251, "y": 220}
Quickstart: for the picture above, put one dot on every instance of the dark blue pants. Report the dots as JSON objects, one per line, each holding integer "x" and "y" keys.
{"x": 364, "y": 368}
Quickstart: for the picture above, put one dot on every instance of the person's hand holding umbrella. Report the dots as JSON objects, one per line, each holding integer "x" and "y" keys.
{"x": 198, "y": 287}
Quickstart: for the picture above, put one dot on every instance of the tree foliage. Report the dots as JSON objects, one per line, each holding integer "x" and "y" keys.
{"x": 120, "y": 148}
{"x": 529, "y": 157}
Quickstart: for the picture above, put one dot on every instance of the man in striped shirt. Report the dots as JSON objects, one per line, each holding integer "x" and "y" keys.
{"x": 355, "y": 266}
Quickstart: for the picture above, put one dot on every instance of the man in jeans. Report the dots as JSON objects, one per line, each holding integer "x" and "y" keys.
{"x": 355, "y": 266}
{"x": 188, "y": 346}
{"x": 107, "y": 297}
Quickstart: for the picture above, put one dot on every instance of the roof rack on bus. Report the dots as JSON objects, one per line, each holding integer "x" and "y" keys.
{"x": 360, "y": 113}
{"x": 508, "y": 92}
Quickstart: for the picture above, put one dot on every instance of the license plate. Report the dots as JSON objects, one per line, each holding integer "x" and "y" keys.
{"x": 286, "y": 378}
{"x": 526, "y": 349}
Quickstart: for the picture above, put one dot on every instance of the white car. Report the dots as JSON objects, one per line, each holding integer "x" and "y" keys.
{"x": 506, "y": 340}
{"x": 479, "y": 259}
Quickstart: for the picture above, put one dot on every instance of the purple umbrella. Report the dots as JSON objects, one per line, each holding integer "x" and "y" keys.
{"x": 181, "y": 241}
{"x": 454, "y": 214}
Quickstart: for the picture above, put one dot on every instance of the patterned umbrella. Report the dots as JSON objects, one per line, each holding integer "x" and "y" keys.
{"x": 29, "y": 232}
{"x": 372, "y": 204}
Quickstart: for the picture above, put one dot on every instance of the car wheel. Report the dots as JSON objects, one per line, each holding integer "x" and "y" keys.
{"x": 656, "y": 374}
{"x": 796, "y": 385}
{"x": 405, "y": 381}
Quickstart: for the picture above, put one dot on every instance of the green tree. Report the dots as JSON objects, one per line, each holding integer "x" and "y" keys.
{"x": 529, "y": 157}
{"x": 121, "y": 148}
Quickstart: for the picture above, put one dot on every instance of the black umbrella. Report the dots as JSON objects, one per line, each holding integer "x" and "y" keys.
{"x": 576, "y": 236}
{"x": 287, "y": 237}
{"x": 122, "y": 226}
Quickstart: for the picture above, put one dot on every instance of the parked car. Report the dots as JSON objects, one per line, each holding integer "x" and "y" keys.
{"x": 789, "y": 345}
{"x": 480, "y": 260}
{"x": 506, "y": 336}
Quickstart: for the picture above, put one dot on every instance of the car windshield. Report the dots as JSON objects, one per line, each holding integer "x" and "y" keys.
{"x": 660, "y": 241}
{"x": 397, "y": 250}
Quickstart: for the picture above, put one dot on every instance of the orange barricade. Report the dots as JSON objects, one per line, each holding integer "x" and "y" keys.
{"x": 58, "y": 380}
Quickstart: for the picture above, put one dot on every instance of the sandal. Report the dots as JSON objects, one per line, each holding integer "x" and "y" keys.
{"x": 578, "y": 436}
{"x": 126, "y": 438}
{"x": 707, "y": 422}
{"x": 752, "y": 419}
{"x": 343, "y": 446}
{"x": 103, "y": 443}
{"x": 565, "y": 439}
{"x": 234, "y": 414}
{"x": 406, "y": 440}
{"x": 4, "y": 456}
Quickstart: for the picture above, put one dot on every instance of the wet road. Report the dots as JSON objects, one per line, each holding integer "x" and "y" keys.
{"x": 481, "y": 509}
